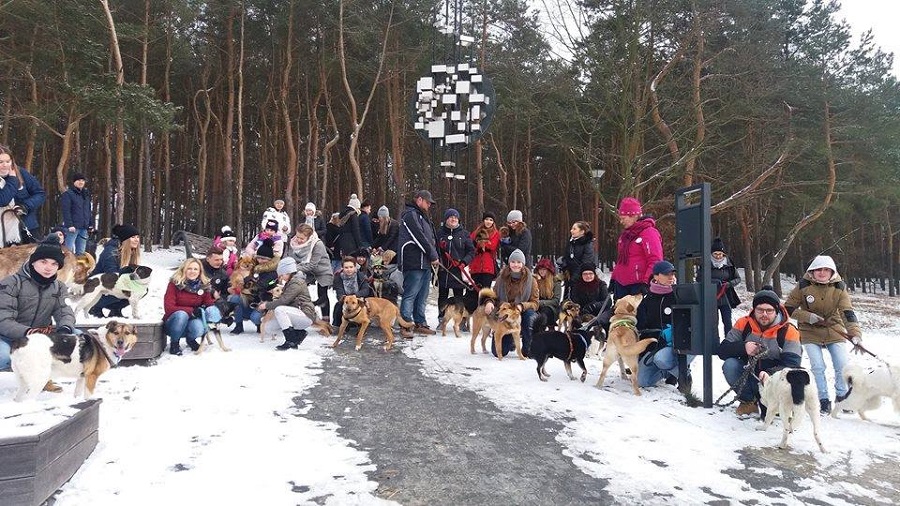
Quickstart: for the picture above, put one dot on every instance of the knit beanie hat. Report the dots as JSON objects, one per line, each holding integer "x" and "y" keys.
{"x": 310, "y": 207}
{"x": 272, "y": 225}
{"x": 589, "y": 266}
{"x": 125, "y": 232}
{"x": 354, "y": 202}
{"x": 76, "y": 176}
{"x": 384, "y": 212}
{"x": 663, "y": 267}
{"x": 545, "y": 263}
{"x": 227, "y": 233}
{"x": 488, "y": 214}
{"x": 278, "y": 201}
{"x": 766, "y": 296}
{"x": 630, "y": 206}
{"x": 48, "y": 249}
{"x": 822, "y": 261}
{"x": 718, "y": 245}
{"x": 451, "y": 212}
{"x": 286, "y": 265}
{"x": 516, "y": 256}
{"x": 514, "y": 215}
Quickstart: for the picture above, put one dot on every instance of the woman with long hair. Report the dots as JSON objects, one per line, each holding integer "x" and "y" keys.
{"x": 311, "y": 256}
{"x": 517, "y": 285}
{"x": 121, "y": 254}
{"x": 30, "y": 195}
{"x": 549, "y": 291}
{"x": 188, "y": 305}
{"x": 486, "y": 239}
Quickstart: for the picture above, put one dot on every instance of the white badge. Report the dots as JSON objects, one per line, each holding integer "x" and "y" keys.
{"x": 667, "y": 310}
{"x": 810, "y": 299}
{"x": 639, "y": 240}
{"x": 200, "y": 292}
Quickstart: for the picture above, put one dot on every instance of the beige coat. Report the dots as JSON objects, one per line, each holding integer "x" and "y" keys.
{"x": 829, "y": 301}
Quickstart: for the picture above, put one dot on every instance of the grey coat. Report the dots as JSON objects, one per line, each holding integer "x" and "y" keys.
{"x": 25, "y": 304}
{"x": 319, "y": 265}
{"x": 295, "y": 294}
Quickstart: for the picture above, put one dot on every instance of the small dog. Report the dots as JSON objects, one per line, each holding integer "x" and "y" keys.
{"x": 38, "y": 357}
{"x": 568, "y": 315}
{"x": 868, "y": 387}
{"x": 378, "y": 270}
{"x": 505, "y": 319}
{"x": 363, "y": 311}
{"x": 132, "y": 286}
{"x": 458, "y": 310}
{"x": 225, "y": 308}
{"x": 622, "y": 341}
{"x": 566, "y": 346}
{"x": 788, "y": 393}
{"x": 242, "y": 271}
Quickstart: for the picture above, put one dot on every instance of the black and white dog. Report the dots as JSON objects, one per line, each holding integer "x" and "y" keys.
{"x": 788, "y": 393}
{"x": 132, "y": 286}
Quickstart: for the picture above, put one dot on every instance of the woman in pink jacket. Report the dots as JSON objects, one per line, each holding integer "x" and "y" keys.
{"x": 639, "y": 248}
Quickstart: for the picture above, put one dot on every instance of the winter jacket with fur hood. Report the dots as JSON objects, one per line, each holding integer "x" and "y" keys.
{"x": 25, "y": 304}
{"x": 639, "y": 248}
{"x": 417, "y": 241}
{"x": 831, "y": 302}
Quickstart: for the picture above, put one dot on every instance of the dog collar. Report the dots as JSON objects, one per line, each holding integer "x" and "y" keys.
{"x": 113, "y": 361}
{"x": 623, "y": 323}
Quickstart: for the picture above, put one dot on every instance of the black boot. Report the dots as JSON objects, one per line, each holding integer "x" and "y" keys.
{"x": 174, "y": 349}
{"x": 193, "y": 344}
{"x": 292, "y": 339}
{"x": 238, "y": 328}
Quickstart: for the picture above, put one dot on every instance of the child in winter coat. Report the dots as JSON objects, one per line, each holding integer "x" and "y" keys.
{"x": 227, "y": 242}
{"x": 281, "y": 216}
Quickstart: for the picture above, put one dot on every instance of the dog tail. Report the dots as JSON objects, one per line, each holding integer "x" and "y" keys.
{"x": 485, "y": 294}
{"x": 403, "y": 323}
{"x": 324, "y": 327}
{"x": 798, "y": 378}
{"x": 638, "y": 347}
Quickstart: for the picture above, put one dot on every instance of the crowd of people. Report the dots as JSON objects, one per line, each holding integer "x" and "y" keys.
{"x": 355, "y": 253}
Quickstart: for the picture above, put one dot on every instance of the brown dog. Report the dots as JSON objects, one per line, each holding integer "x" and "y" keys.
{"x": 568, "y": 315}
{"x": 623, "y": 340}
{"x": 242, "y": 270}
{"x": 504, "y": 319}
{"x": 363, "y": 311}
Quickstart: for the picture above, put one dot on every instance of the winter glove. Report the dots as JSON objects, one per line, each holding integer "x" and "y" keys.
{"x": 815, "y": 319}
{"x": 198, "y": 312}
{"x": 65, "y": 329}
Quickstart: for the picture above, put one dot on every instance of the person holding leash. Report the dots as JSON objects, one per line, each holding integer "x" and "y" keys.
{"x": 821, "y": 305}
{"x": 30, "y": 195}
{"x": 456, "y": 252}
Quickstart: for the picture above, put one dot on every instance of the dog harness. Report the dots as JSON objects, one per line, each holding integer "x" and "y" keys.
{"x": 624, "y": 323}
{"x": 572, "y": 345}
{"x": 126, "y": 284}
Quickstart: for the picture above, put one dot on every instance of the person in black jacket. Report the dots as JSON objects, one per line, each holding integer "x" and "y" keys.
{"x": 332, "y": 233}
{"x": 456, "y": 251}
{"x": 78, "y": 219}
{"x": 518, "y": 237}
{"x": 417, "y": 254}
{"x": 590, "y": 292}
{"x": 579, "y": 251}
{"x": 313, "y": 218}
{"x": 654, "y": 319}
{"x": 350, "y": 239}
{"x": 387, "y": 231}
{"x": 725, "y": 276}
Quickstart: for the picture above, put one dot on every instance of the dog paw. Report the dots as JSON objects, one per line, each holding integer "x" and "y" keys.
{"x": 358, "y": 348}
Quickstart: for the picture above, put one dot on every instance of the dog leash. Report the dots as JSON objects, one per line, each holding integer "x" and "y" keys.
{"x": 470, "y": 284}
{"x": 857, "y": 347}
{"x": 748, "y": 370}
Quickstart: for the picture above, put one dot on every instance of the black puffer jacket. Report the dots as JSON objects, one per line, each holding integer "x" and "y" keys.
{"x": 455, "y": 248}
{"x": 579, "y": 252}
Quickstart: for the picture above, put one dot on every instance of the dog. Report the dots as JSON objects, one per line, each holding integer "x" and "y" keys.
{"x": 39, "y": 357}
{"x": 132, "y": 286}
{"x": 505, "y": 319}
{"x": 378, "y": 270}
{"x": 622, "y": 341}
{"x": 73, "y": 272}
{"x": 225, "y": 309}
{"x": 363, "y": 311}
{"x": 566, "y": 346}
{"x": 788, "y": 393}
{"x": 268, "y": 316}
{"x": 242, "y": 271}
{"x": 867, "y": 388}
{"x": 568, "y": 315}
{"x": 458, "y": 310}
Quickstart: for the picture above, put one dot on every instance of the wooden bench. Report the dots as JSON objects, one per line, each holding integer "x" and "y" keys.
{"x": 32, "y": 468}
{"x": 194, "y": 245}
{"x": 150, "y": 344}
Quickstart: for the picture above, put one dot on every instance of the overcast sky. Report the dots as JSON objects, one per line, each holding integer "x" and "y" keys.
{"x": 880, "y": 16}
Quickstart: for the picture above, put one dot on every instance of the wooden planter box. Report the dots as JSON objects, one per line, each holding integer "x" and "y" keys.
{"x": 150, "y": 344}
{"x": 34, "y": 467}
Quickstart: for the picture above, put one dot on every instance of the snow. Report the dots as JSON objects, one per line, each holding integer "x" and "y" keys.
{"x": 256, "y": 446}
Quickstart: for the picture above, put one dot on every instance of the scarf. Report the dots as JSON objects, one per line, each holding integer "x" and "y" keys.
{"x": 718, "y": 264}
{"x": 517, "y": 278}
{"x": 629, "y": 235}
{"x": 659, "y": 289}
{"x": 351, "y": 286}
{"x": 303, "y": 252}
{"x": 187, "y": 285}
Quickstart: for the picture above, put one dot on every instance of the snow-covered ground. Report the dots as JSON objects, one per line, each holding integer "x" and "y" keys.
{"x": 256, "y": 446}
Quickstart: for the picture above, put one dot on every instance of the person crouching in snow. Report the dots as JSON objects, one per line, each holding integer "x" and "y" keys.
{"x": 293, "y": 310}
{"x": 189, "y": 306}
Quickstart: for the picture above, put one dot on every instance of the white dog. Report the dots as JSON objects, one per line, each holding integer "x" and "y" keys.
{"x": 789, "y": 392}
{"x": 868, "y": 387}
{"x": 132, "y": 286}
{"x": 31, "y": 365}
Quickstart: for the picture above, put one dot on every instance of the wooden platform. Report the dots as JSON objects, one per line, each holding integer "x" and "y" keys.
{"x": 150, "y": 344}
{"x": 34, "y": 467}
{"x": 195, "y": 245}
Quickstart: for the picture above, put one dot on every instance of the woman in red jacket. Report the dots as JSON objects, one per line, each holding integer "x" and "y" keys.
{"x": 188, "y": 305}
{"x": 486, "y": 239}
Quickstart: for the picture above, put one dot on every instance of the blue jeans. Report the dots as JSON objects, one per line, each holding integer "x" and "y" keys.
{"x": 725, "y": 315}
{"x": 657, "y": 366}
{"x": 733, "y": 368}
{"x": 4, "y": 354}
{"x": 416, "y": 284}
{"x": 77, "y": 241}
{"x": 180, "y": 324}
{"x": 243, "y": 312}
{"x": 817, "y": 364}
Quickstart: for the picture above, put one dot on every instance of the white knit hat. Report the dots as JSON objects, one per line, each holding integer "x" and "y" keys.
{"x": 383, "y": 212}
{"x": 354, "y": 202}
{"x": 286, "y": 265}
{"x": 310, "y": 207}
{"x": 514, "y": 215}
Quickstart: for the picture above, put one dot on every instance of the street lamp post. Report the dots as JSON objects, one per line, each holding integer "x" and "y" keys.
{"x": 596, "y": 175}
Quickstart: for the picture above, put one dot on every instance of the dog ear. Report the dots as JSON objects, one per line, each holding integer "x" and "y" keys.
{"x": 110, "y": 326}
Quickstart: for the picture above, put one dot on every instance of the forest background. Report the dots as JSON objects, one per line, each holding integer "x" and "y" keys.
{"x": 187, "y": 114}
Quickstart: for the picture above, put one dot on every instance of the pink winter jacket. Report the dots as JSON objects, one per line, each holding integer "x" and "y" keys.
{"x": 639, "y": 248}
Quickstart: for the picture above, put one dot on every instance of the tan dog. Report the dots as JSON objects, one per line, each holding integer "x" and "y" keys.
{"x": 456, "y": 313}
{"x": 622, "y": 342}
{"x": 504, "y": 319}
{"x": 242, "y": 270}
{"x": 269, "y": 315}
{"x": 363, "y": 311}
{"x": 568, "y": 315}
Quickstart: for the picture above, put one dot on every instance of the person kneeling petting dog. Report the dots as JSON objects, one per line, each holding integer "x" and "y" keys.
{"x": 766, "y": 338}
{"x": 188, "y": 305}
{"x": 517, "y": 285}
{"x": 293, "y": 311}
{"x": 32, "y": 299}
